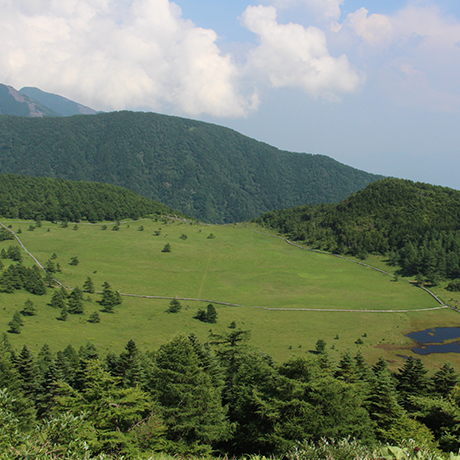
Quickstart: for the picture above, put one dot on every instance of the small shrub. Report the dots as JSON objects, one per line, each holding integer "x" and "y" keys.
{"x": 94, "y": 317}
{"x": 174, "y": 306}
{"x": 167, "y": 248}
{"x": 454, "y": 286}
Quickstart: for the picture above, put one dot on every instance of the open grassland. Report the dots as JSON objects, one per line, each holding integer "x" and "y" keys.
{"x": 238, "y": 266}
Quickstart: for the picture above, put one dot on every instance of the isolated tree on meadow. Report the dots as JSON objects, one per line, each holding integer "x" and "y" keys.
{"x": 174, "y": 306}
{"x": 16, "y": 323}
{"x": 29, "y": 308}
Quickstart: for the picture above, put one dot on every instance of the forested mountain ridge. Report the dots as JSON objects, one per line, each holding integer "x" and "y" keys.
{"x": 417, "y": 225}
{"x": 208, "y": 171}
{"x": 41, "y": 198}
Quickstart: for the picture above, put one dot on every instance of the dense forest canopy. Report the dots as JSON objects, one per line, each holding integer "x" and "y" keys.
{"x": 210, "y": 172}
{"x": 417, "y": 225}
{"x": 41, "y": 198}
{"x": 223, "y": 396}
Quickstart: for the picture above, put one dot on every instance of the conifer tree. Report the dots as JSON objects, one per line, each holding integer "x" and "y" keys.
{"x": 64, "y": 314}
{"x": 174, "y": 306}
{"x": 56, "y": 300}
{"x": 192, "y": 404}
{"x": 16, "y": 323}
{"x": 88, "y": 286}
{"x": 75, "y": 302}
{"x": 29, "y": 374}
{"x": 445, "y": 380}
{"x": 29, "y": 308}
{"x": 412, "y": 381}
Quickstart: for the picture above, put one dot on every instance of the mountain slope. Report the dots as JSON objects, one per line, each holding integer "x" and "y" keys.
{"x": 61, "y": 105}
{"x": 13, "y": 102}
{"x": 207, "y": 171}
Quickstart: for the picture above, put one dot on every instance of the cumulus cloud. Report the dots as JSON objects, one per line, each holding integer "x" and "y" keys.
{"x": 414, "y": 50}
{"x": 290, "y": 55}
{"x": 115, "y": 54}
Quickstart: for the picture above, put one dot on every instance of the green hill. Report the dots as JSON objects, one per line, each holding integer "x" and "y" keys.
{"x": 416, "y": 224}
{"x": 41, "y": 198}
{"x": 210, "y": 172}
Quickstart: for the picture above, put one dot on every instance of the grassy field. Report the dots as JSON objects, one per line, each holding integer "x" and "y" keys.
{"x": 237, "y": 266}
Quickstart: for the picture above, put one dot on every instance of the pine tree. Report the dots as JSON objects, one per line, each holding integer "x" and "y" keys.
{"x": 192, "y": 404}
{"x": 75, "y": 302}
{"x": 211, "y": 314}
{"x": 88, "y": 286}
{"x": 94, "y": 317}
{"x": 174, "y": 306}
{"x": 412, "y": 381}
{"x": 56, "y": 300}
{"x": 109, "y": 299}
{"x": 29, "y": 374}
{"x": 64, "y": 314}
{"x": 346, "y": 369}
{"x": 29, "y": 308}
{"x": 16, "y": 323}
{"x": 445, "y": 380}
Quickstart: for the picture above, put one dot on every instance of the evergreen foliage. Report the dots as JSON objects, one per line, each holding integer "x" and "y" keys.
{"x": 189, "y": 398}
{"x": 212, "y": 173}
{"x": 110, "y": 299}
{"x": 174, "y": 306}
{"x": 416, "y": 225}
{"x": 65, "y": 200}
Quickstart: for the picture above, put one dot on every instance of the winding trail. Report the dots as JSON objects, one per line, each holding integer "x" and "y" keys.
{"x": 334, "y": 310}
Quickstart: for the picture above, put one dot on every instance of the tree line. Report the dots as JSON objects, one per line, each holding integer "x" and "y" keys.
{"x": 222, "y": 396}
{"x": 415, "y": 225}
{"x": 41, "y": 198}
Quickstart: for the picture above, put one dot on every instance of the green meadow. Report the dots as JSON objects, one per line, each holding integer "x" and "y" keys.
{"x": 237, "y": 265}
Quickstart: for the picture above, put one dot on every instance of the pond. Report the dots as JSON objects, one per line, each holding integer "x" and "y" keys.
{"x": 432, "y": 340}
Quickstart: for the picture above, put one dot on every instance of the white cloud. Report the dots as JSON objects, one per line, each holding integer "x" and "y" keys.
{"x": 327, "y": 9}
{"x": 414, "y": 53}
{"x": 374, "y": 29}
{"x": 290, "y": 55}
{"x": 116, "y": 54}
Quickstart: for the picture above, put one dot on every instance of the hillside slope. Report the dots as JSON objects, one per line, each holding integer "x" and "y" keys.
{"x": 41, "y": 198}
{"x": 417, "y": 224}
{"x": 210, "y": 172}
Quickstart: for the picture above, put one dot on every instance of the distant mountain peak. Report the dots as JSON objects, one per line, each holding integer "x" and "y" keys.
{"x": 59, "y": 104}
{"x": 12, "y": 102}
{"x": 33, "y": 102}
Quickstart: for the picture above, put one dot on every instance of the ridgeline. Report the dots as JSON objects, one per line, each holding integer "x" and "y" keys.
{"x": 210, "y": 172}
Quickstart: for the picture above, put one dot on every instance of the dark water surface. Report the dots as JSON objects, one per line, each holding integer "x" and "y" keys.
{"x": 431, "y": 340}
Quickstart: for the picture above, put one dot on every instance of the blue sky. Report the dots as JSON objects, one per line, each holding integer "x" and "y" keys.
{"x": 373, "y": 84}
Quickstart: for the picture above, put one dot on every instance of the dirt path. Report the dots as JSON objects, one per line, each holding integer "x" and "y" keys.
{"x": 335, "y": 310}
